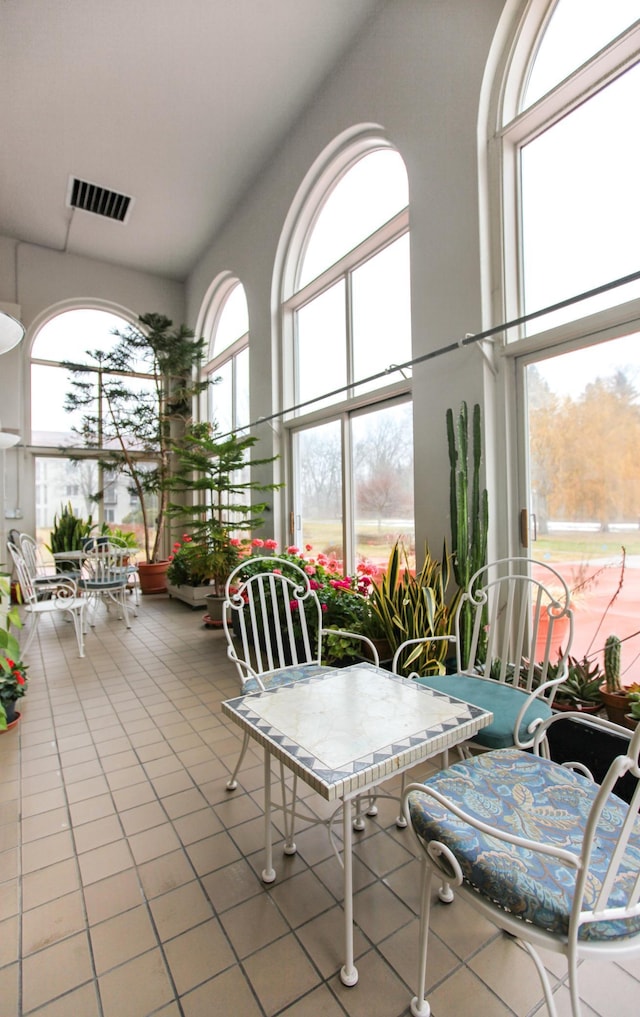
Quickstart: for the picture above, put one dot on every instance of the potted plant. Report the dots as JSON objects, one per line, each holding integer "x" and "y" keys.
{"x": 198, "y": 569}
{"x": 213, "y": 472}
{"x": 13, "y": 678}
{"x": 580, "y": 690}
{"x": 137, "y": 429}
{"x": 69, "y": 533}
{"x": 413, "y": 606}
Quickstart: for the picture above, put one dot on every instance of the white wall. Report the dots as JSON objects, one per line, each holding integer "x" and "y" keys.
{"x": 417, "y": 73}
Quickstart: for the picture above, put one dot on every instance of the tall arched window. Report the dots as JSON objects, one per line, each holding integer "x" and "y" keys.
{"x": 570, "y": 152}
{"x": 77, "y": 478}
{"x": 346, "y": 325}
{"x": 228, "y": 362}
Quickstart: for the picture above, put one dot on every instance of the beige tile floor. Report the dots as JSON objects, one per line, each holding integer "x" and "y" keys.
{"x": 130, "y": 876}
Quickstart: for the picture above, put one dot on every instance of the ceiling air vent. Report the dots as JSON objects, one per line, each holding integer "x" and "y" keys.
{"x": 99, "y": 200}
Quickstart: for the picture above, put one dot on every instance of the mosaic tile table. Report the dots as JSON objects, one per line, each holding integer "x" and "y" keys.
{"x": 343, "y": 732}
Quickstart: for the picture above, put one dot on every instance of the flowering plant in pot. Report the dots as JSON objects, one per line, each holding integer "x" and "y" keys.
{"x": 344, "y": 600}
{"x": 13, "y": 680}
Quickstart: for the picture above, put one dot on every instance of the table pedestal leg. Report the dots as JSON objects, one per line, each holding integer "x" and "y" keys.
{"x": 268, "y": 873}
{"x": 349, "y": 973}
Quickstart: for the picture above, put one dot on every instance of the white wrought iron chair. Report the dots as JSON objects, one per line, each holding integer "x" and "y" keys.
{"x": 543, "y": 852}
{"x": 273, "y": 622}
{"x": 515, "y": 657}
{"x": 129, "y": 563}
{"x": 62, "y": 599}
{"x": 104, "y": 578}
{"x": 43, "y": 575}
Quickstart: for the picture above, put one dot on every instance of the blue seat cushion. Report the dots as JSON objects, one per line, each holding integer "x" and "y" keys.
{"x": 540, "y": 800}
{"x": 285, "y": 676}
{"x": 503, "y": 701}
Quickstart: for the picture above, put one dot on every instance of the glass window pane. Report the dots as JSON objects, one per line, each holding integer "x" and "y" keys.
{"x": 577, "y": 30}
{"x": 584, "y": 432}
{"x": 321, "y": 346}
{"x": 367, "y": 196}
{"x": 318, "y": 470}
{"x": 241, "y": 363}
{"x": 69, "y": 335}
{"x": 62, "y": 481}
{"x": 233, "y": 322}
{"x": 382, "y": 313}
{"x": 50, "y": 424}
{"x": 221, "y": 397}
{"x": 383, "y": 482}
{"x": 581, "y": 216}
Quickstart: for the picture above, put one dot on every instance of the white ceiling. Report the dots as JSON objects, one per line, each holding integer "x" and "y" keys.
{"x": 175, "y": 102}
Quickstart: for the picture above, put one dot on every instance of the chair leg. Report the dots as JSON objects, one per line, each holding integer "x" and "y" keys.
{"x": 35, "y": 618}
{"x": 78, "y": 625}
{"x": 232, "y": 783}
{"x": 419, "y": 1005}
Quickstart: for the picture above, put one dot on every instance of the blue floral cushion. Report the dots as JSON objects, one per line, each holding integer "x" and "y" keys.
{"x": 540, "y": 800}
{"x": 285, "y": 676}
{"x": 503, "y": 701}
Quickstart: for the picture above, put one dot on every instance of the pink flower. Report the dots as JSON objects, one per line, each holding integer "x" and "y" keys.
{"x": 293, "y": 604}
{"x": 187, "y": 539}
{"x": 309, "y": 547}
{"x": 314, "y": 584}
{"x": 325, "y": 607}
{"x": 176, "y": 545}
{"x": 310, "y": 570}
{"x": 256, "y": 542}
{"x": 234, "y": 541}
{"x": 293, "y": 549}
{"x": 277, "y": 572}
{"x": 271, "y": 544}
{"x": 333, "y": 565}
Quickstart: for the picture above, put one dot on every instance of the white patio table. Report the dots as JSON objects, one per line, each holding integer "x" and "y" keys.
{"x": 343, "y": 732}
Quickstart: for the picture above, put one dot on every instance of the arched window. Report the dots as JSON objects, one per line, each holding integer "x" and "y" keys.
{"x": 346, "y": 324}
{"x": 570, "y": 221}
{"x": 228, "y": 362}
{"x": 76, "y": 479}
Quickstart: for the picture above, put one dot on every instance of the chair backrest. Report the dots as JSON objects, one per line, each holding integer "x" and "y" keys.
{"x": 275, "y": 616}
{"x": 607, "y": 885}
{"x": 25, "y": 579}
{"x": 32, "y": 555}
{"x": 104, "y": 563}
{"x": 520, "y": 623}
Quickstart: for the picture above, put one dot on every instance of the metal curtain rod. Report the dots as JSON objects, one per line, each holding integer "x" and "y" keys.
{"x": 468, "y": 340}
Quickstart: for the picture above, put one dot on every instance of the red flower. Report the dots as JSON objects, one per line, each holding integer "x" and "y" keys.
{"x": 257, "y": 542}
{"x": 19, "y": 678}
{"x": 309, "y": 547}
{"x": 187, "y": 539}
{"x": 293, "y": 549}
{"x": 271, "y": 544}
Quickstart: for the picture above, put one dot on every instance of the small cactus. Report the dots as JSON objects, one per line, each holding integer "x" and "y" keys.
{"x": 612, "y": 663}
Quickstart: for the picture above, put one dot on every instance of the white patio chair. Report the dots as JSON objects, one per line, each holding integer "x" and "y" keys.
{"x": 104, "y": 578}
{"x": 63, "y": 599}
{"x": 515, "y": 674}
{"x": 43, "y": 575}
{"x": 273, "y": 622}
{"x": 543, "y": 852}
{"x": 129, "y": 563}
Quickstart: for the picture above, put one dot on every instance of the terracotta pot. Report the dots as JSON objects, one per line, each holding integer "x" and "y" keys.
{"x": 153, "y": 576}
{"x": 616, "y": 705}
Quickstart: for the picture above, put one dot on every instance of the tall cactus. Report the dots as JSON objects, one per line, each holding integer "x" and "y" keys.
{"x": 612, "y": 663}
{"x": 469, "y": 519}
